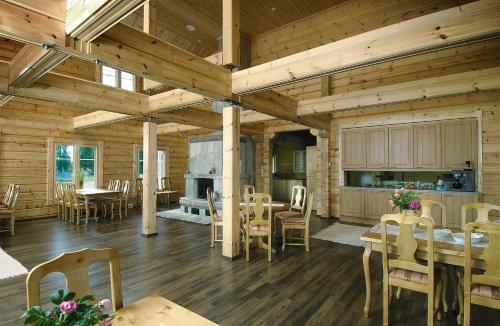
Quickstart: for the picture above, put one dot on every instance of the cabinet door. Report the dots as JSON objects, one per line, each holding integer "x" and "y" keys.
{"x": 401, "y": 147}
{"x": 436, "y": 210}
{"x": 352, "y": 202}
{"x": 454, "y": 204}
{"x": 376, "y": 203}
{"x": 427, "y": 146}
{"x": 459, "y": 143}
{"x": 376, "y": 148}
{"x": 353, "y": 149}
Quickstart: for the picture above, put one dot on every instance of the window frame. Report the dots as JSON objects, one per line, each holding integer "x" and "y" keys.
{"x": 302, "y": 162}
{"x": 166, "y": 162}
{"x": 118, "y": 79}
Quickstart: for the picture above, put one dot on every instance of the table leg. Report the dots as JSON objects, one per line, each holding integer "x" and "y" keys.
{"x": 87, "y": 210}
{"x": 368, "y": 278}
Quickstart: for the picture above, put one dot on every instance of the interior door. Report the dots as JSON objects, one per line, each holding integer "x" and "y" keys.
{"x": 311, "y": 173}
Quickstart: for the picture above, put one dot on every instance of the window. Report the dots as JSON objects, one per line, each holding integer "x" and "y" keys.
{"x": 140, "y": 171}
{"x": 162, "y": 164}
{"x": 117, "y": 78}
{"x": 299, "y": 161}
{"x": 72, "y": 160}
{"x": 274, "y": 164}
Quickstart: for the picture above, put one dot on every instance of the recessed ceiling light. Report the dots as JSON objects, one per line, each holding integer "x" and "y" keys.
{"x": 273, "y": 8}
{"x": 191, "y": 28}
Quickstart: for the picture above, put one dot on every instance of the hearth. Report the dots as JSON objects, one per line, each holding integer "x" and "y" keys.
{"x": 202, "y": 185}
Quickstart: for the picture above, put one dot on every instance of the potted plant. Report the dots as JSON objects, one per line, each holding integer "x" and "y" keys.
{"x": 70, "y": 311}
{"x": 79, "y": 178}
{"x": 406, "y": 200}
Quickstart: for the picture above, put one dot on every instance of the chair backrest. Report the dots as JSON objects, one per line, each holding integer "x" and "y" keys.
{"x": 71, "y": 188}
{"x": 258, "y": 200}
{"x": 211, "y": 203}
{"x": 310, "y": 204}
{"x": 75, "y": 267}
{"x": 67, "y": 189}
{"x": 491, "y": 274}
{"x": 298, "y": 200}
{"x": 248, "y": 189}
{"x": 407, "y": 244}
{"x": 13, "y": 197}
{"x": 8, "y": 194}
{"x": 426, "y": 210}
{"x": 482, "y": 211}
{"x": 165, "y": 184}
{"x": 125, "y": 184}
{"x": 111, "y": 184}
{"x": 138, "y": 187}
{"x": 117, "y": 185}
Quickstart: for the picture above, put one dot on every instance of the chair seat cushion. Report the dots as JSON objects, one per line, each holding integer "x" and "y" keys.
{"x": 293, "y": 220}
{"x": 487, "y": 291}
{"x": 259, "y": 228}
{"x": 288, "y": 214}
{"x": 409, "y": 276}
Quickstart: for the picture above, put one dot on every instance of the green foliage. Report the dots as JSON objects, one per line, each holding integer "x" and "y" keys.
{"x": 404, "y": 199}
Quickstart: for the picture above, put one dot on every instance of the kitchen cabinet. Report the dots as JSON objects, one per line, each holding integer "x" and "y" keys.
{"x": 353, "y": 149}
{"x": 376, "y": 148}
{"x": 401, "y": 147}
{"x": 427, "y": 146}
{"x": 458, "y": 143}
{"x": 436, "y": 210}
{"x": 352, "y": 202}
{"x": 376, "y": 204}
{"x": 454, "y": 204}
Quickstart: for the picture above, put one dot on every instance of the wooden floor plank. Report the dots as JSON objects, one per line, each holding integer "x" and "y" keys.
{"x": 323, "y": 287}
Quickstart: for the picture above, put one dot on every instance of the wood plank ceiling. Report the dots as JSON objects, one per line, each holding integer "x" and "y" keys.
{"x": 257, "y": 17}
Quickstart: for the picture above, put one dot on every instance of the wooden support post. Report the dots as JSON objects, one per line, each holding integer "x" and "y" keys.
{"x": 149, "y": 179}
{"x": 231, "y": 184}
{"x": 323, "y": 175}
{"x": 231, "y": 33}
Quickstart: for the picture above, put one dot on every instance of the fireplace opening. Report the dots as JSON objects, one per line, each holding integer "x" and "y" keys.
{"x": 203, "y": 184}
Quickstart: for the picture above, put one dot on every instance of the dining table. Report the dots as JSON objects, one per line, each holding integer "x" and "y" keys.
{"x": 88, "y": 194}
{"x": 446, "y": 251}
{"x": 154, "y": 310}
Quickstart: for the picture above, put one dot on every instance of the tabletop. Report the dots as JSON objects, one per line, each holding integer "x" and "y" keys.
{"x": 95, "y": 191}
{"x": 273, "y": 204}
{"x": 155, "y": 310}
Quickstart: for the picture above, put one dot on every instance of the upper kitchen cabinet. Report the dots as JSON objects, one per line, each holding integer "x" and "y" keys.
{"x": 458, "y": 143}
{"x": 427, "y": 146}
{"x": 377, "y": 148}
{"x": 401, "y": 147}
{"x": 353, "y": 149}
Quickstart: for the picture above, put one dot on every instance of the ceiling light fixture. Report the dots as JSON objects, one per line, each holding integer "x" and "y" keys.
{"x": 190, "y": 28}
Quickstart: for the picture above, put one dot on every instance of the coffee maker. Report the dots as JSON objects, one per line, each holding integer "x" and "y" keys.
{"x": 464, "y": 179}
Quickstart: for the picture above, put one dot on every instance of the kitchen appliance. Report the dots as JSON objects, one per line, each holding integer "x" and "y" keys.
{"x": 464, "y": 180}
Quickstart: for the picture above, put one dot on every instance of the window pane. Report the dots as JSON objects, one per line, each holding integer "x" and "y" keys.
{"x": 127, "y": 81}
{"x": 64, "y": 163}
{"x": 140, "y": 168}
{"x": 87, "y": 166}
{"x": 161, "y": 165}
{"x": 109, "y": 76}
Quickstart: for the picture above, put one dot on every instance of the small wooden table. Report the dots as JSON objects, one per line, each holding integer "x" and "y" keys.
{"x": 155, "y": 310}
{"x": 91, "y": 193}
{"x": 444, "y": 252}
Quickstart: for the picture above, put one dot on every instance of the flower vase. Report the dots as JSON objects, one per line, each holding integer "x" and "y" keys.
{"x": 408, "y": 211}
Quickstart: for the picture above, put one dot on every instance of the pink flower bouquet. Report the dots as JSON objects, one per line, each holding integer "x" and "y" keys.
{"x": 404, "y": 199}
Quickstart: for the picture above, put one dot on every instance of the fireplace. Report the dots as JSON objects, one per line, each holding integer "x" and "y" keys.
{"x": 202, "y": 184}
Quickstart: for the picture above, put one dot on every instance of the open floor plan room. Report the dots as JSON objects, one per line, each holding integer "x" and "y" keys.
{"x": 237, "y": 162}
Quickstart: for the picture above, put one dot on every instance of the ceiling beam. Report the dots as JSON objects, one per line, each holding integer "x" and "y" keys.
{"x": 131, "y": 50}
{"x": 231, "y": 33}
{"x": 447, "y": 85}
{"x": 192, "y": 117}
{"x": 448, "y": 28}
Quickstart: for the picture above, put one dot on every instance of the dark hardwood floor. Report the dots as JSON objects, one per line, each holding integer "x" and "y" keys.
{"x": 323, "y": 287}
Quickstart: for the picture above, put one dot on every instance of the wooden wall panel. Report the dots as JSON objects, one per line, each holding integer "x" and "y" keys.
{"x": 25, "y": 126}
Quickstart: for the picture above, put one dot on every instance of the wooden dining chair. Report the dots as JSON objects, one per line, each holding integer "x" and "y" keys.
{"x": 298, "y": 223}
{"x": 404, "y": 270}
{"x": 166, "y": 185}
{"x": 258, "y": 227}
{"x": 481, "y": 289}
{"x": 59, "y": 200}
{"x": 216, "y": 219}
{"x": 6, "y": 197}
{"x": 78, "y": 206}
{"x": 9, "y": 211}
{"x": 482, "y": 210}
{"x": 426, "y": 210}
{"x": 75, "y": 267}
{"x": 297, "y": 204}
{"x": 121, "y": 200}
{"x": 248, "y": 189}
{"x": 138, "y": 192}
{"x": 67, "y": 204}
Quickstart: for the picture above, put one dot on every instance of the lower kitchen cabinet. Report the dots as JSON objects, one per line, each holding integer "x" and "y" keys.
{"x": 376, "y": 204}
{"x": 453, "y": 203}
{"x": 436, "y": 211}
{"x": 352, "y": 202}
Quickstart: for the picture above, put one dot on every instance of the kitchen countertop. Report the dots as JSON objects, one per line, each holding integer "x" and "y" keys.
{"x": 452, "y": 192}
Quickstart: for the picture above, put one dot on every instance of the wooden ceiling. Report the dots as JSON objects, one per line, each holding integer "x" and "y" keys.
{"x": 8, "y": 49}
{"x": 257, "y": 17}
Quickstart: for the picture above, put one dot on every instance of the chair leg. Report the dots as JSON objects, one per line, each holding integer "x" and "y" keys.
{"x": 95, "y": 213}
{"x": 444, "y": 296}
{"x": 306, "y": 239}
{"x": 247, "y": 247}
{"x": 58, "y": 212}
{"x": 112, "y": 210}
{"x": 398, "y": 293}
{"x": 430, "y": 307}
{"x": 269, "y": 248}
{"x": 283, "y": 235}
{"x": 126, "y": 207}
{"x": 12, "y": 223}
{"x": 120, "y": 209}
{"x": 385, "y": 299}
{"x": 437, "y": 298}
{"x": 212, "y": 235}
{"x": 460, "y": 294}
{"x": 78, "y": 211}
{"x": 466, "y": 309}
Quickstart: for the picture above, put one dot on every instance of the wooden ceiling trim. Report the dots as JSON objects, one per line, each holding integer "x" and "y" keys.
{"x": 448, "y": 28}
{"x": 126, "y": 48}
{"x": 448, "y": 85}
